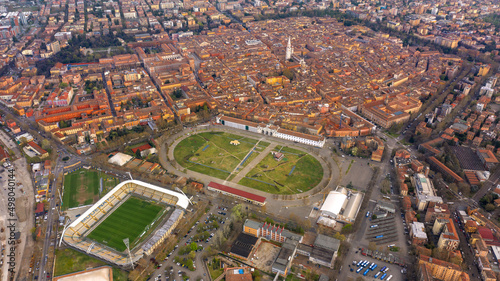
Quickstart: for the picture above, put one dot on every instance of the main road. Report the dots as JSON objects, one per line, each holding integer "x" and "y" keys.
{"x": 52, "y": 223}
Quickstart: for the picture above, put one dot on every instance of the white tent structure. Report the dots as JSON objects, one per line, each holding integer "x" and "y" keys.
{"x": 342, "y": 205}
{"x": 333, "y": 204}
{"x": 120, "y": 159}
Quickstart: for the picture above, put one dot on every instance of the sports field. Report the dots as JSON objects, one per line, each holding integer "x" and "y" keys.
{"x": 82, "y": 187}
{"x": 129, "y": 220}
{"x": 297, "y": 172}
{"x": 211, "y": 153}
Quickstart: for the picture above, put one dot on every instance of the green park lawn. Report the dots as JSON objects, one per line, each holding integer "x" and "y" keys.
{"x": 69, "y": 261}
{"x": 277, "y": 177}
{"x": 211, "y": 153}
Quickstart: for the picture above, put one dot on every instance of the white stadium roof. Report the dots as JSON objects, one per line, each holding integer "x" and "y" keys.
{"x": 182, "y": 200}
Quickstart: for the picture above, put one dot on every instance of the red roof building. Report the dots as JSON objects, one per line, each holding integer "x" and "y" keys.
{"x": 240, "y": 194}
{"x": 141, "y": 148}
{"x": 40, "y": 210}
{"x": 3, "y": 154}
{"x": 10, "y": 123}
{"x": 444, "y": 169}
{"x": 486, "y": 234}
{"x": 42, "y": 153}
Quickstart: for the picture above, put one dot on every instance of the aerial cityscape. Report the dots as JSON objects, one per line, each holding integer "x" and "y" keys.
{"x": 249, "y": 140}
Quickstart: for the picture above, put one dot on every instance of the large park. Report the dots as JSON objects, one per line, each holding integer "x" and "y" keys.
{"x": 262, "y": 164}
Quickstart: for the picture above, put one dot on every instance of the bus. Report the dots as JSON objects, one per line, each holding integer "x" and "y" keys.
{"x": 383, "y": 276}
{"x": 359, "y": 269}
{"x": 378, "y": 274}
{"x": 389, "y": 278}
{"x": 383, "y": 268}
{"x": 366, "y": 272}
{"x": 373, "y": 267}
{"x": 359, "y": 263}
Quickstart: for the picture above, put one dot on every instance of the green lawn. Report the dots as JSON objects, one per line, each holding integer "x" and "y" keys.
{"x": 274, "y": 176}
{"x": 69, "y": 261}
{"x": 139, "y": 144}
{"x": 214, "y": 273}
{"x": 81, "y": 187}
{"x": 129, "y": 220}
{"x": 211, "y": 153}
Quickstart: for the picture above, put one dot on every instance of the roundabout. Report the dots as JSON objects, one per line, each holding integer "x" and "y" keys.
{"x": 260, "y": 164}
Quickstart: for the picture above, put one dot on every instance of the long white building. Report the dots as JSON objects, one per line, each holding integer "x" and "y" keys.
{"x": 271, "y": 130}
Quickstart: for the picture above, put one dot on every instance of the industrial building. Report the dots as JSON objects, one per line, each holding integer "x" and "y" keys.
{"x": 323, "y": 251}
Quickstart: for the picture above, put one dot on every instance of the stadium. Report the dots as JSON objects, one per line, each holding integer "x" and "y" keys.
{"x": 139, "y": 212}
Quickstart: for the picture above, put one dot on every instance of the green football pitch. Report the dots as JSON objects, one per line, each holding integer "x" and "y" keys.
{"x": 129, "y": 220}
{"x": 81, "y": 187}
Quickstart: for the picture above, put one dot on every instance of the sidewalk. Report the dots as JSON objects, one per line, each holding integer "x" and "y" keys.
{"x": 253, "y": 163}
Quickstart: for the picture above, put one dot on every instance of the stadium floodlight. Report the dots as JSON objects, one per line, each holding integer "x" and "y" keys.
{"x": 126, "y": 242}
{"x": 89, "y": 249}
{"x": 178, "y": 189}
{"x": 64, "y": 230}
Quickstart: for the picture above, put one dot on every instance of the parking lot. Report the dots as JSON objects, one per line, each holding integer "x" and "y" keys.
{"x": 200, "y": 233}
{"x": 393, "y": 230}
{"x": 381, "y": 231}
{"x": 392, "y": 269}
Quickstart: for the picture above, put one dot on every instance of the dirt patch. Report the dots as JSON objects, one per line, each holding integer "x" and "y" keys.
{"x": 82, "y": 191}
{"x": 264, "y": 255}
{"x": 21, "y": 204}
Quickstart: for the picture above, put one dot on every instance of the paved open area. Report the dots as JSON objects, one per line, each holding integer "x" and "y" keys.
{"x": 358, "y": 174}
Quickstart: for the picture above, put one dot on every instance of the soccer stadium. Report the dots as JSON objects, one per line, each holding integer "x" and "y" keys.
{"x": 142, "y": 213}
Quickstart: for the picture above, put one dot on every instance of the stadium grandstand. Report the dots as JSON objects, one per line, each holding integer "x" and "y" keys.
{"x": 76, "y": 233}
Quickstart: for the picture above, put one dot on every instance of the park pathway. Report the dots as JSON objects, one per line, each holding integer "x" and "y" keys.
{"x": 253, "y": 163}
{"x": 244, "y": 159}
